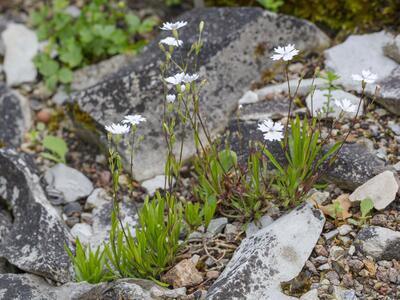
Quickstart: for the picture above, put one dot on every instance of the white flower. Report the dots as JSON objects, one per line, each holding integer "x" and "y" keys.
{"x": 173, "y": 26}
{"x": 117, "y": 128}
{"x": 133, "y": 119}
{"x": 171, "y": 41}
{"x": 346, "y": 105}
{"x": 189, "y": 78}
{"x": 285, "y": 53}
{"x": 171, "y": 98}
{"x": 366, "y": 76}
{"x": 272, "y": 131}
{"x": 183, "y": 88}
{"x": 176, "y": 79}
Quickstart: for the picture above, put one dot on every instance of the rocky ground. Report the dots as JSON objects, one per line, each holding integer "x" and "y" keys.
{"x": 289, "y": 254}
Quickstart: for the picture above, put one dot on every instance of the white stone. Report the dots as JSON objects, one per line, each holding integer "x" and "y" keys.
{"x": 82, "y": 231}
{"x": 155, "y": 183}
{"x": 310, "y": 295}
{"x": 217, "y": 225}
{"x": 336, "y": 252}
{"x": 381, "y": 189}
{"x": 21, "y": 45}
{"x": 70, "y": 182}
{"x": 318, "y": 100}
{"x": 344, "y": 229}
{"x": 275, "y": 254}
{"x": 305, "y": 87}
{"x": 357, "y": 53}
{"x": 97, "y": 198}
{"x": 248, "y": 97}
{"x": 343, "y": 294}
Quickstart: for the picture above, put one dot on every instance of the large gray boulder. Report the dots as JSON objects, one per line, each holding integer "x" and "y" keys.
{"x": 15, "y": 117}
{"x": 35, "y": 242}
{"x": 238, "y": 43}
{"x": 275, "y": 254}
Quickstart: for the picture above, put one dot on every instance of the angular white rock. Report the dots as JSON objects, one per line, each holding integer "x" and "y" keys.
{"x": 274, "y": 254}
{"x": 381, "y": 189}
{"x": 21, "y": 45}
{"x": 82, "y": 231}
{"x": 319, "y": 100}
{"x": 72, "y": 183}
{"x": 155, "y": 183}
{"x": 357, "y": 53}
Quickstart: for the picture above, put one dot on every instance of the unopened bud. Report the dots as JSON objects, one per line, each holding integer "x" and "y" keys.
{"x": 201, "y": 26}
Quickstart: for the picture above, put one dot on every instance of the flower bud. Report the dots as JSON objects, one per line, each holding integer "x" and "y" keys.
{"x": 201, "y": 26}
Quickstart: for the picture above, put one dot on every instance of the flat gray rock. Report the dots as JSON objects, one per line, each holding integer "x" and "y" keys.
{"x": 21, "y": 46}
{"x": 15, "y": 118}
{"x": 275, "y": 254}
{"x": 35, "y": 243}
{"x": 70, "y": 182}
{"x": 379, "y": 242}
{"x": 227, "y": 61}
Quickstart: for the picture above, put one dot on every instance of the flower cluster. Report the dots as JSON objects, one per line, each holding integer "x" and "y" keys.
{"x": 125, "y": 126}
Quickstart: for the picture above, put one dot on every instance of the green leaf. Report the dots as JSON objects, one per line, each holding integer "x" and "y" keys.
{"x": 56, "y": 146}
{"x": 228, "y": 159}
{"x": 71, "y": 54}
{"x": 47, "y": 66}
{"x": 133, "y": 23}
{"x": 65, "y": 75}
{"x": 366, "y": 206}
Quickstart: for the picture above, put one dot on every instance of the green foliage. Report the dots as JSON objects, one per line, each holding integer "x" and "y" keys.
{"x": 272, "y": 5}
{"x": 304, "y": 157}
{"x": 89, "y": 265}
{"x": 366, "y": 207}
{"x": 346, "y": 14}
{"x": 101, "y": 30}
{"x": 154, "y": 246}
{"x": 240, "y": 190}
{"x": 56, "y": 148}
